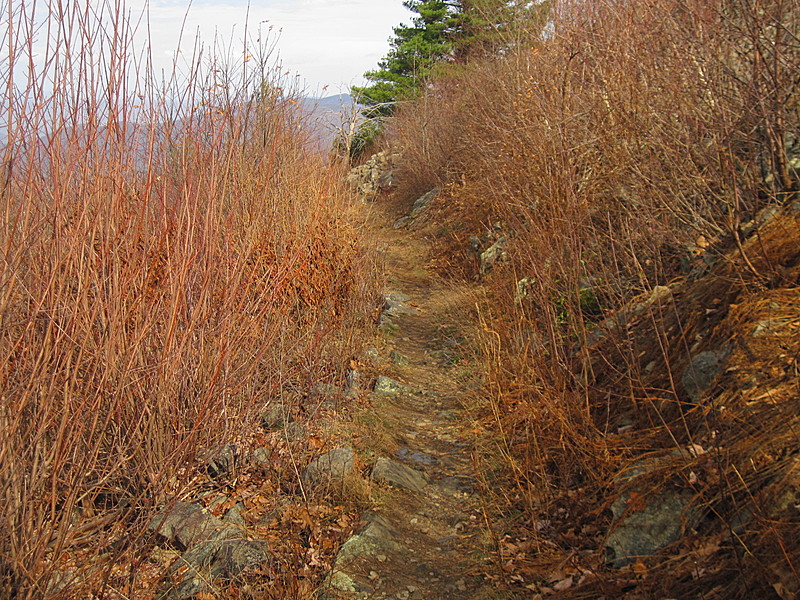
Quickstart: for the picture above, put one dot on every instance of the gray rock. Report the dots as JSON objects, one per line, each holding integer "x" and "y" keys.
{"x": 401, "y": 222}
{"x": 398, "y": 359}
{"x": 475, "y": 244}
{"x": 703, "y": 369}
{"x": 416, "y": 457}
{"x": 261, "y": 458}
{"x": 448, "y": 415}
{"x": 324, "y": 392}
{"x": 768, "y": 328}
{"x": 213, "y": 548}
{"x": 235, "y": 515}
{"x": 493, "y": 254}
{"x": 376, "y": 537}
{"x": 524, "y": 286}
{"x": 354, "y": 380}
{"x": 642, "y": 533}
{"x": 457, "y": 485}
{"x": 385, "y": 386}
{"x": 393, "y": 307}
{"x": 397, "y": 475}
{"x": 374, "y": 176}
{"x": 210, "y": 561}
{"x": 341, "y": 582}
{"x": 422, "y": 202}
{"x": 60, "y": 582}
{"x": 224, "y": 462}
{"x": 186, "y": 524}
{"x": 654, "y": 521}
{"x": 275, "y": 415}
{"x": 372, "y": 354}
{"x": 332, "y": 467}
{"x": 294, "y": 431}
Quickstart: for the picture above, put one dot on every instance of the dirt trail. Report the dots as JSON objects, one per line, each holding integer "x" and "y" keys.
{"x": 426, "y": 542}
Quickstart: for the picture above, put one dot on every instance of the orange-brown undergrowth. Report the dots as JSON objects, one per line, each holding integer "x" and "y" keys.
{"x": 628, "y": 154}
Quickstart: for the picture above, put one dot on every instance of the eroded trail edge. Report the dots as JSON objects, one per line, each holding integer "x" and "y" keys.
{"x": 423, "y": 539}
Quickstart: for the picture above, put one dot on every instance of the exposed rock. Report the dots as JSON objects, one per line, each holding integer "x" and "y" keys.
{"x": 701, "y": 373}
{"x": 374, "y": 176}
{"x": 354, "y": 380}
{"x": 415, "y": 457}
{"x": 653, "y": 521}
{"x": 460, "y": 486}
{"x": 235, "y": 515}
{"x": 493, "y": 254}
{"x": 324, "y": 392}
{"x": 622, "y": 317}
{"x": 224, "y": 462}
{"x": 523, "y": 289}
{"x": 421, "y": 203}
{"x": 401, "y": 222}
{"x": 475, "y": 244}
{"x": 398, "y": 475}
{"x": 294, "y": 431}
{"x": 372, "y": 542}
{"x": 388, "y": 387}
{"x": 61, "y": 581}
{"x": 770, "y": 328}
{"x": 341, "y": 582}
{"x": 398, "y": 359}
{"x": 448, "y": 415}
{"x": 186, "y": 524}
{"x": 377, "y": 536}
{"x": 393, "y": 306}
{"x": 213, "y": 549}
{"x": 330, "y": 468}
{"x": 210, "y": 561}
{"x": 641, "y": 533}
{"x": 261, "y": 458}
{"x": 275, "y": 415}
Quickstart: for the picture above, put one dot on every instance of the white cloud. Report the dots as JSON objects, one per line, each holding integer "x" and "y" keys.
{"x": 327, "y": 42}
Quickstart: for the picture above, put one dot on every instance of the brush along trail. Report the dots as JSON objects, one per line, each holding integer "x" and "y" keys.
{"x": 425, "y": 535}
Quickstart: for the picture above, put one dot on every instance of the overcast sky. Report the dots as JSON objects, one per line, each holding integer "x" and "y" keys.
{"x": 326, "y": 42}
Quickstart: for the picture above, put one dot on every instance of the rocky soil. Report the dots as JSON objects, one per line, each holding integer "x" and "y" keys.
{"x": 424, "y": 538}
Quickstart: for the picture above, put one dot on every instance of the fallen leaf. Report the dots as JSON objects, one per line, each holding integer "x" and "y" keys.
{"x": 639, "y": 568}
{"x": 564, "y": 584}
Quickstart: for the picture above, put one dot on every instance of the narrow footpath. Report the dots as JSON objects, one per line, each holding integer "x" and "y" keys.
{"x": 425, "y": 538}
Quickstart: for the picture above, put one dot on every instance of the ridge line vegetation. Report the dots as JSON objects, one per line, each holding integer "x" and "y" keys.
{"x": 634, "y": 167}
{"x": 175, "y": 262}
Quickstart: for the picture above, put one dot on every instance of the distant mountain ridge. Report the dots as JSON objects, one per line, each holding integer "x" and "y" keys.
{"x": 326, "y": 115}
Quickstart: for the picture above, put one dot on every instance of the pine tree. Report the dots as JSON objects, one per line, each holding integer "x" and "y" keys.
{"x": 430, "y": 38}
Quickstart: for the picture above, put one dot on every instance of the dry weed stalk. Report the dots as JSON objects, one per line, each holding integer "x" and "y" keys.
{"x": 627, "y": 144}
{"x": 161, "y": 240}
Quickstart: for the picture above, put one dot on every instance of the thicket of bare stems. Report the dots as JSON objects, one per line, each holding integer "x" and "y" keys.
{"x": 173, "y": 260}
{"x": 616, "y": 143}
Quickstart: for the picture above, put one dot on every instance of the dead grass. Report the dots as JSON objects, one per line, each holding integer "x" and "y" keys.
{"x": 174, "y": 261}
{"x": 629, "y": 147}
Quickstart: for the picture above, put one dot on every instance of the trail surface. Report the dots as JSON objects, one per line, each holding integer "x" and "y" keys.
{"x": 424, "y": 538}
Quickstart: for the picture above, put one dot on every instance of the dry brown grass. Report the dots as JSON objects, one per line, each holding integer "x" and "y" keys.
{"x": 623, "y": 150}
{"x": 174, "y": 260}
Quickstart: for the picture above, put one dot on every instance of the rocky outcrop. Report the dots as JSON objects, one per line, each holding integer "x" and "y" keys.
{"x": 386, "y": 386}
{"x": 374, "y": 176}
{"x": 212, "y": 549}
{"x": 493, "y": 254}
{"x": 332, "y": 468}
{"x": 646, "y": 520}
{"x": 397, "y": 475}
{"x": 701, "y": 372}
{"x": 419, "y": 206}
